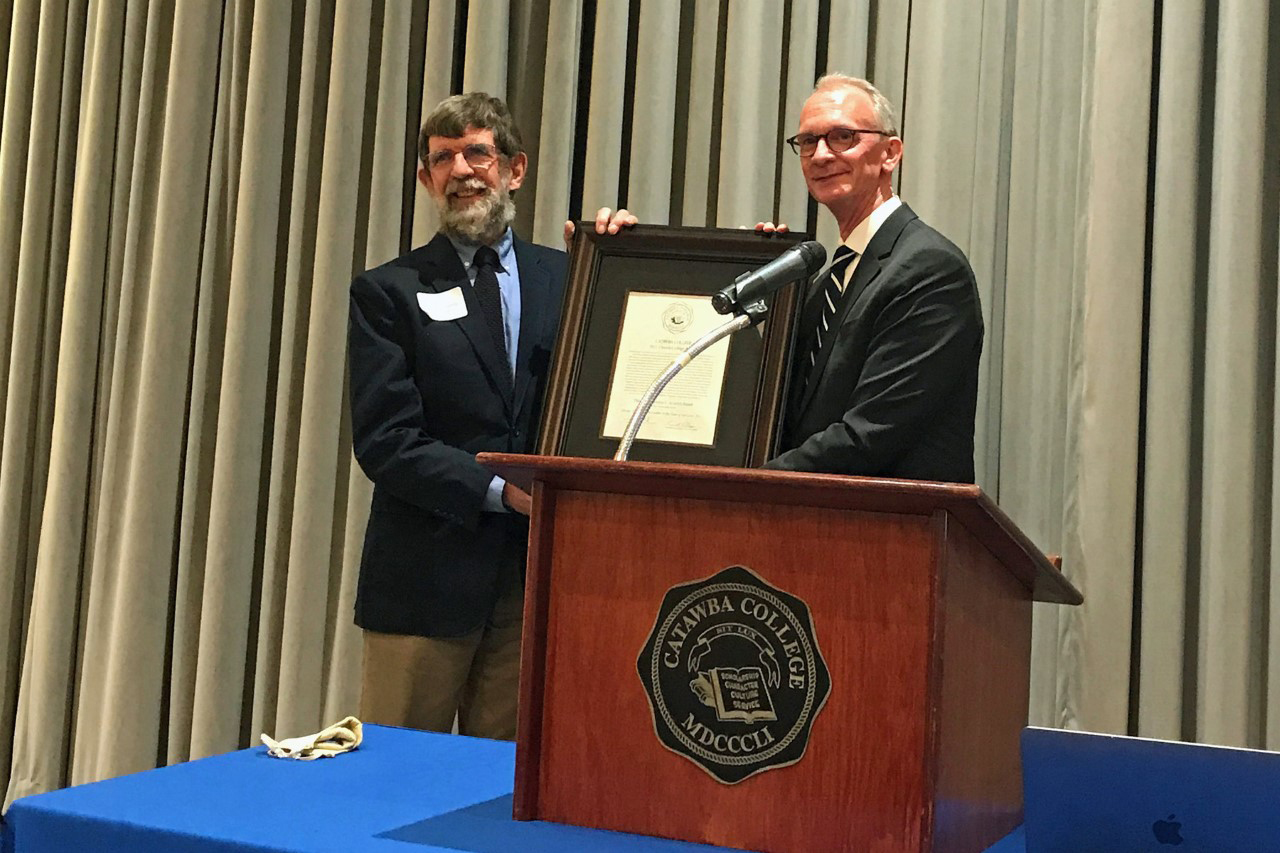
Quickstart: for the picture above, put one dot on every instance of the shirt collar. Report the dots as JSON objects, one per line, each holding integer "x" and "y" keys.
{"x": 505, "y": 247}
{"x": 862, "y": 233}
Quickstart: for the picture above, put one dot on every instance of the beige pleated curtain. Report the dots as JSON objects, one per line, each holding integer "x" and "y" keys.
{"x": 189, "y": 186}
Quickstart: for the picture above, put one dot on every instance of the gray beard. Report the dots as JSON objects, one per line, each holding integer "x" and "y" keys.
{"x": 481, "y": 223}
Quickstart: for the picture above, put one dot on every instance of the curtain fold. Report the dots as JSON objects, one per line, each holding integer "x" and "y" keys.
{"x": 653, "y": 114}
{"x": 558, "y": 129}
{"x": 1173, "y": 438}
{"x": 292, "y": 285}
{"x": 320, "y": 475}
{"x": 487, "y": 47}
{"x": 800, "y": 68}
{"x": 1239, "y": 378}
{"x": 602, "y": 160}
{"x": 127, "y": 637}
{"x": 531, "y": 41}
{"x": 703, "y": 121}
{"x": 35, "y": 251}
{"x": 193, "y": 184}
{"x": 1101, "y": 534}
{"x": 749, "y": 129}
{"x": 1209, "y": 482}
{"x": 221, "y": 645}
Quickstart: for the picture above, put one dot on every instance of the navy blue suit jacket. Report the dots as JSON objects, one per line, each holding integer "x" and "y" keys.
{"x": 426, "y": 397}
{"x": 895, "y": 393}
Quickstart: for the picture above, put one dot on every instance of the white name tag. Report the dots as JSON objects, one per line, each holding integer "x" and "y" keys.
{"x": 449, "y": 305}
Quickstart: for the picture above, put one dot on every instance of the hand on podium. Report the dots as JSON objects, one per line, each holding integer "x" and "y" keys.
{"x": 516, "y": 499}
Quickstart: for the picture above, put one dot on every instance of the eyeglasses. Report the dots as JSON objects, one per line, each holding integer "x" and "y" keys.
{"x": 838, "y": 139}
{"x": 478, "y": 155}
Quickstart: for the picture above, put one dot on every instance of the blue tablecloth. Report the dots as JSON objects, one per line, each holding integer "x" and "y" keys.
{"x": 435, "y": 792}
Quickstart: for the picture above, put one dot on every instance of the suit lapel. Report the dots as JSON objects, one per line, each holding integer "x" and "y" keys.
{"x": 864, "y": 273}
{"x": 442, "y": 270}
{"x": 534, "y": 285}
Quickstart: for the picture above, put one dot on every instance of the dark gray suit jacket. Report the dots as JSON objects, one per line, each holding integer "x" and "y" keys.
{"x": 895, "y": 393}
{"x": 426, "y": 397}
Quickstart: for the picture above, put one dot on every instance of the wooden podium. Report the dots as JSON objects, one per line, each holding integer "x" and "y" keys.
{"x": 920, "y": 599}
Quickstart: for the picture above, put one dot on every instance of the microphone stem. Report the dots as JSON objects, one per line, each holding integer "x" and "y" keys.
{"x": 727, "y": 328}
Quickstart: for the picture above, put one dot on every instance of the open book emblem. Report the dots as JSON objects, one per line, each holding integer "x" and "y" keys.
{"x": 736, "y": 694}
{"x": 733, "y": 674}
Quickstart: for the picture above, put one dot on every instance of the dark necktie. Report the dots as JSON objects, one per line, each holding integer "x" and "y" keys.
{"x": 832, "y": 294}
{"x": 489, "y": 295}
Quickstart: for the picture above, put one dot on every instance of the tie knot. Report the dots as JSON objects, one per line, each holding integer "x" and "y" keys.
{"x": 486, "y": 258}
{"x": 842, "y": 256}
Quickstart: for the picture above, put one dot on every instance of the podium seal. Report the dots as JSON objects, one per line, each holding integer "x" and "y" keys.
{"x": 733, "y": 674}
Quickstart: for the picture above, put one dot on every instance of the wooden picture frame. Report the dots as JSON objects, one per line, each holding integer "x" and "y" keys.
{"x": 604, "y": 273}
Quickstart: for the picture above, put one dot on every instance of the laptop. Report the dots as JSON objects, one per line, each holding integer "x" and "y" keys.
{"x": 1096, "y": 793}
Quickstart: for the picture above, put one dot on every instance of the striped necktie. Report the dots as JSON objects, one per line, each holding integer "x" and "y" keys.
{"x": 832, "y": 293}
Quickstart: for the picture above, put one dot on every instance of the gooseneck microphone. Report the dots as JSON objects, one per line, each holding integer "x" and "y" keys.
{"x": 800, "y": 261}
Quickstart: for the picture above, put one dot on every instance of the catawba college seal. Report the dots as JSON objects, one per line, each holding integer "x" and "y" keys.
{"x": 733, "y": 674}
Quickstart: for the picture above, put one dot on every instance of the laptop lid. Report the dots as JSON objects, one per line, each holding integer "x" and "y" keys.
{"x": 1087, "y": 792}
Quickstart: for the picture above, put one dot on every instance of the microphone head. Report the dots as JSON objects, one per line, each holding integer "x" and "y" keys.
{"x": 759, "y": 283}
{"x": 814, "y": 254}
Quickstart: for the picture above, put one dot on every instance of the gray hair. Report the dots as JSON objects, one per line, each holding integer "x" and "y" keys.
{"x": 886, "y": 116}
{"x": 452, "y": 116}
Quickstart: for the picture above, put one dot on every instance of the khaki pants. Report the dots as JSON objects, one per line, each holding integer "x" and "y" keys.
{"x": 423, "y": 682}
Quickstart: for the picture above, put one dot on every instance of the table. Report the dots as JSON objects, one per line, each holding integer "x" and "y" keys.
{"x": 402, "y": 790}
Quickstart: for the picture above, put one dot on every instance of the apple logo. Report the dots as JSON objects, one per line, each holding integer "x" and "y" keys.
{"x": 1166, "y": 831}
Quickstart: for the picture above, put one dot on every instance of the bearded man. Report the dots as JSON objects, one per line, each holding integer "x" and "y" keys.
{"x": 450, "y": 347}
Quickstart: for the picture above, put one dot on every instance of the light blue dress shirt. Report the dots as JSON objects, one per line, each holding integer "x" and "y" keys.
{"x": 509, "y": 286}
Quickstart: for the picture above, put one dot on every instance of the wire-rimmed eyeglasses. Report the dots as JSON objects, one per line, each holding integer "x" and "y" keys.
{"x": 478, "y": 156}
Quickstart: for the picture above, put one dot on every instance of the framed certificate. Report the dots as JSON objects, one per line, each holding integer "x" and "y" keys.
{"x": 634, "y": 301}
